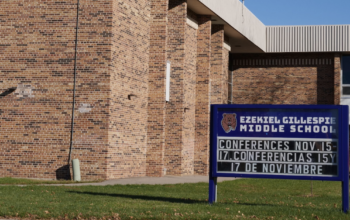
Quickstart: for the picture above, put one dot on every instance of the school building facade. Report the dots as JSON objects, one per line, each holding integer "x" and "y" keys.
{"x": 125, "y": 86}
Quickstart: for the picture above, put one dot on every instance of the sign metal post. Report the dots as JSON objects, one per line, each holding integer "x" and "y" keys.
{"x": 302, "y": 142}
{"x": 345, "y": 165}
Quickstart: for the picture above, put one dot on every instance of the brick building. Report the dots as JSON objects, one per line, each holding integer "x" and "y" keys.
{"x": 125, "y": 86}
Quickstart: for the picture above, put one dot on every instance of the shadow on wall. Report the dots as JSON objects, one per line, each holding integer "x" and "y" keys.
{"x": 325, "y": 85}
{"x": 300, "y": 78}
{"x": 174, "y": 4}
{"x": 7, "y": 92}
{"x": 277, "y": 91}
{"x": 63, "y": 173}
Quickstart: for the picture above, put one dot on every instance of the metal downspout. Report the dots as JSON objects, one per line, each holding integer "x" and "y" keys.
{"x": 74, "y": 85}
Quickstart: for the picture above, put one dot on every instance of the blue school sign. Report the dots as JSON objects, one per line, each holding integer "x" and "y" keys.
{"x": 304, "y": 142}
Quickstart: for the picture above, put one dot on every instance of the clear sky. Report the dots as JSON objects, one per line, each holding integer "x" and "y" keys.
{"x": 300, "y": 12}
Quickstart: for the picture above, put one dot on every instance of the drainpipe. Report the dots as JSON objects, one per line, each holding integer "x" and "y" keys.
{"x": 74, "y": 85}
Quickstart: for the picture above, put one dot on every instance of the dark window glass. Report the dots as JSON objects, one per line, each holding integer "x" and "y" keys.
{"x": 346, "y": 70}
{"x": 346, "y": 90}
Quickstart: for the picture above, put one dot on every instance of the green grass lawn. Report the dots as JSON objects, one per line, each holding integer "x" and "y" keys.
{"x": 19, "y": 181}
{"x": 244, "y": 198}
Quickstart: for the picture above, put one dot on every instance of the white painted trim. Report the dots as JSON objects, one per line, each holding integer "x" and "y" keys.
{"x": 192, "y": 23}
{"x": 242, "y": 21}
{"x": 167, "y": 79}
{"x": 227, "y": 46}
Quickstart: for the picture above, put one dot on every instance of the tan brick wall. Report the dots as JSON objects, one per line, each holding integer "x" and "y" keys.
{"x": 188, "y": 132}
{"x": 30, "y": 39}
{"x": 90, "y": 137}
{"x": 123, "y": 125}
{"x": 175, "y": 121}
{"x": 225, "y": 69}
{"x": 283, "y": 79}
{"x": 201, "y": 160}
{"x": 225, "y": 59}
{"x": 218, "y": 61}
{"x": 156, "y": 96}
{"x": 35, "y": 130}
{"x": 177, "y": 15}
{"x": 129, "y": 89}
{"x": 110, "y": 132}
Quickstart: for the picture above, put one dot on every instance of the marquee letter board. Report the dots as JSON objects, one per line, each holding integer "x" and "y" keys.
{"x": 305, "y": 142}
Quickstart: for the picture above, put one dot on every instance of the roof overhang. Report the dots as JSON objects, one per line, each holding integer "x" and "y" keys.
{"x": 247, "y": 33}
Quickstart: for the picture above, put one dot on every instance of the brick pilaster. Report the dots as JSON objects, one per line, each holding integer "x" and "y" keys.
{"x": 337, "y": 89}
{"x": 189, "y": 115}
{"x": 225, "y": 76}
{"x": 156, "y": 98}
{"x": 217, "y": 77}
{"x": 177, "y": 15}
{"x": 129, "y": 89}
{"x": 201, "y": 157}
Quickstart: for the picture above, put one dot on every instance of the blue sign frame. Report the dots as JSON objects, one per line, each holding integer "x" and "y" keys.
{"x": 338, "y": 130}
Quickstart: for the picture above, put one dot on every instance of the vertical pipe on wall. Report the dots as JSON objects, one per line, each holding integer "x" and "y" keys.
{"x": 74, "y": 84}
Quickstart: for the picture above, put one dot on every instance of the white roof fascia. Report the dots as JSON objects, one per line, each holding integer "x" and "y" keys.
{"x": 240, "y": 18}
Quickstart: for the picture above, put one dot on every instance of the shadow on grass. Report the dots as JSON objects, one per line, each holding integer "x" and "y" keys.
{"x": 148, "y": 198}
{"x": 290, "y": 207}
{"x": 192, "y": 201}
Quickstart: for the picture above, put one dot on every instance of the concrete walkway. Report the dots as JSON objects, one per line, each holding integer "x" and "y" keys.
{"x": 150, "y": 181}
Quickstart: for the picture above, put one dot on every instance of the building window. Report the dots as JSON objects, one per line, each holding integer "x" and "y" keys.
{"x": 346, "y": 75}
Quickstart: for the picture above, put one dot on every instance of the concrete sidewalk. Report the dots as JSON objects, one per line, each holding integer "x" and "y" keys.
{"x": 150, "y": 181}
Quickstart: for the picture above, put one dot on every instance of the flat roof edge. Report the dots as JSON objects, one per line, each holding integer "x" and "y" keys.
{"x": 234, "y": 13}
